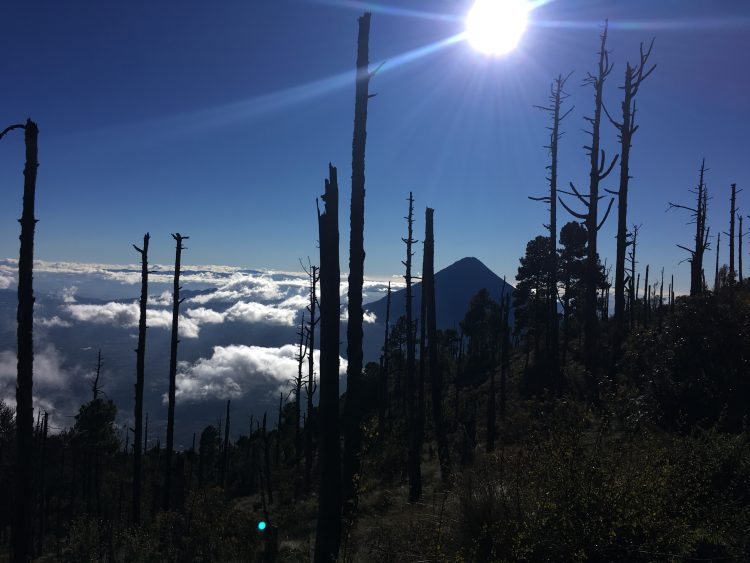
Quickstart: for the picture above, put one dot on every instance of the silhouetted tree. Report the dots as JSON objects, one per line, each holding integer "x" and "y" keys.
{"x": 383, "y": 403}
{"x": 699, "y": 214}
{"x": 310, "y": 389}
{"x": 267, "y": 461}
{"x": 95, "y": 387}
{"x": 572, "y": 262}
{"x": 140, "y": 371}
{"x": 634, "y": 77}
{"x": 176, "y": 301}
{"x": 717, "y": 281}
{"x": 732, "y": 278}
{"x": 530, "y": 296}
{"x": 298, "y": 393}
{"x": 739, "y": 250}
{"x": 556, "y": 99}
{"x": 352, "y": 408}
{"x": 413, "y": 457}
{"x": 22, "y": 523}
{"x": 328, "y": 533}
{"x": 598, "y": 172}
{"x": 632, "y": 293}
{"x": 436, "y": 376}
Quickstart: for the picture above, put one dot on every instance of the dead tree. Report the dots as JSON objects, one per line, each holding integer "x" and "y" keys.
{"x": 225, "y": 452}
{"x": 278, "y": 429}
{"x": 739, "y": 250}
{"x": 632, "y": 292}
{"x": 298, "y": 393}
{"x": 95, "y": 387}
{"x": 140, "y": 371}
{"x": 646, "y": 298}
{"x": 556, "y": 99}
{"x": 22, "y": 522}
{"x": 176, "y": 301}
{"x": 598, "y": 172}
{"x": 314, "y": 274}
{"x": 267, "y": 461}
{"x": 634, "y": 77}
{"x": 413, "y": 458}
{"x": 698, "y": 216}
{"x": 352, "y": 409}
{"x": 328, "y": 533}
{"x": 717, "y": 281}
{"x": 732, "y": 277}
{"x": 436, "y": 376}
{"x": 383, "y": 404}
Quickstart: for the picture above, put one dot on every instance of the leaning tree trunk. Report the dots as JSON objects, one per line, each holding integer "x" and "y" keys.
{"x": 24, "y": 488}
{"x": 436, "y": 379}
{"x": 352, "y": 408}
{"x": 328, "y": 534}
{"x": 413, "y": 458}
{"x": 140, "y": 371}
{"x": 176, "y": 301}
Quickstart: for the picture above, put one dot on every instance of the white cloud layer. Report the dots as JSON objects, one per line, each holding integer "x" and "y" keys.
{"x": 233, "y": 371}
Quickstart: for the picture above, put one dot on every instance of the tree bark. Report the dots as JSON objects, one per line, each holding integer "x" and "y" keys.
{"x": 176, "y": 301}
{"x": 352, "y": 409}
{"x": 314, "y": 276}
{"x": 140, "y": 371}
{"x": 24, "y": 494}
{"x": 328, "y": 534}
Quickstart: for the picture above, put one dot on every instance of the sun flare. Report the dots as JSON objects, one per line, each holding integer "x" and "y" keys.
{"x": 495, "y": 27}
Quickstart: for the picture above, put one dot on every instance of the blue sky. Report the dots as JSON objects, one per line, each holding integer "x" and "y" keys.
{"x": 218, "y": 120}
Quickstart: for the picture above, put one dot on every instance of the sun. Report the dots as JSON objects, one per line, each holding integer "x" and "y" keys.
{"x": 495, "y": 27}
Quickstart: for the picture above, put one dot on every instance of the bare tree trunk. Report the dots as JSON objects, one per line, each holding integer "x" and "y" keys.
{"x": 505, "y": 357}
{"x": 383, "y": 403}
{"x": 352, "y": 409}
{"x": 140, "y": 371}
{"x": 298, "y": 396}
{"x": 557, "y": 97}
{"x": 634, "y": 77}
{"x": 328, "y": 534}
{"x": 413, "y": 458}
{"x": 278, "y": 430}
{"x": 176, "y": 301}
{"x": 24, "y": 488}
{"x": 739, "y": 253}
{"x": 314, "y": 277}
{"x": 267, "y": 459}
{"x": 732, "y": 214}
{"x": 598, "y": 172}
{"x": 716, "y": 275}
{"x": 646, "y": 298}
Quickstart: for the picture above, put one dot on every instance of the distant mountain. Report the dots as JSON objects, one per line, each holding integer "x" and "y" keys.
{"x": 454, "y": 288}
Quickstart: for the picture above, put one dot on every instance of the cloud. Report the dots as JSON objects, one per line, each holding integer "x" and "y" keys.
{"x": 52, "y": 322}
{"x": 202, "y": 315}
{"x": 127, "y": 315}
{"x": 6, "y": 280}
{"x": 233, "y": 371}
{"x": 253, "y": 312}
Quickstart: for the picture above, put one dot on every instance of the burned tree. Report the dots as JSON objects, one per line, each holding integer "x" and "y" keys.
{"x": 698, "y": 214}
{"x": 556, "y": 99}
{"x": 22, "y": 523}
{"x": 413, "y": 458}
{"x": 298, "y": 392}
{"x": 436, "y": 377}
{"x": 352, "y": 409}
{"x": 634, "y": 77}
{"x": 632, "y": 292}
{"x": 140, "y": 371}
{"x": 328, "y": 534}
{"x": 732, "y": 278}
{"x": 598, "y": 172}
{"x": 717, "y": 280}
{"x": 383, "y": 404}
{"x": 310, "y": 389}
{"x": 739, "y": 250}
{"x": 176, "y": 301}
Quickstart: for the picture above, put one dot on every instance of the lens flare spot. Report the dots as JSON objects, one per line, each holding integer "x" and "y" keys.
{"x": 495, "y": 27}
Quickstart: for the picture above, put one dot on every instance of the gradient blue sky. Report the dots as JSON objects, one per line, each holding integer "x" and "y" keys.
{"x": 218, "y": 120}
